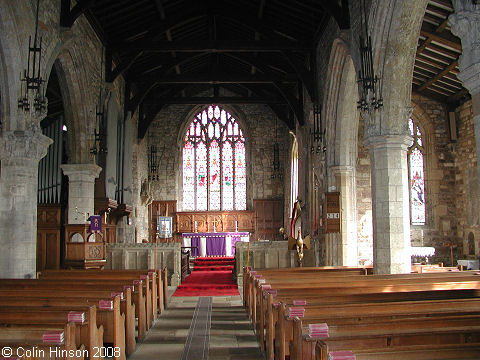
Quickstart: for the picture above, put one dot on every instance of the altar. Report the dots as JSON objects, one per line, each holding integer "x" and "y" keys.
{"x": 214, "y": 244}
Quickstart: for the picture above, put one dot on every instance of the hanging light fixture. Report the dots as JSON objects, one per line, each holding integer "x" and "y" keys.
{"x": 99, "y": 133}
{"x": 153, "y": 164}
{"x": 31, "y": 78}
{"x": 317, "y": 136}
{"x": 276, "y": 156}
{"x": 370, "y": 96}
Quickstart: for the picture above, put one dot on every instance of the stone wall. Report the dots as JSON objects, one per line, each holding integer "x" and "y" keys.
{"x": 466, "y": 184}
{"x": 364, "y": 200}
{"x": 441, "y": 224}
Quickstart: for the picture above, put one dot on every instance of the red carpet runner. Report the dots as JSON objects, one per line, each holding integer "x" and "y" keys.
{"x": 211, "y": 276}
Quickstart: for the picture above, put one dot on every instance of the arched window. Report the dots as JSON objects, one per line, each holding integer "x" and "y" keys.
{"x": 416, "y": 175}
{"x": 294, "y": 174}
{"x": 214, "y": 168}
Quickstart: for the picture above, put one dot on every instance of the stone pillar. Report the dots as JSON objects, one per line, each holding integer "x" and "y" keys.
{"x": 465, "y": 23}
{"x": 390, "y": 202}
{"x": 81, "y": 190}
{"x": 20, "y": 152}
{"x": 345, "y": 183}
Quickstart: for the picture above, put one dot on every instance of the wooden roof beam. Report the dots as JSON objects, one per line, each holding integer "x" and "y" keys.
{"x": 439, "y": 75}
{"x": 213, "y": 46}
{"x": 68, "y": 15}
{"x": 450, "y": 41}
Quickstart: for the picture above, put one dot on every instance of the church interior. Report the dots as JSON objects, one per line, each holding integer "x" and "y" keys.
{"x": 297, "y": 177}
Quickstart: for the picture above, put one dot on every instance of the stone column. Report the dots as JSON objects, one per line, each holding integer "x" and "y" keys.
{"x": 345, "y": 182}
{"x": 20, "y": 152}
{"x": 390, "y": 202}
{"x": 465, "y": 23}
{"x": 81, "y": 190}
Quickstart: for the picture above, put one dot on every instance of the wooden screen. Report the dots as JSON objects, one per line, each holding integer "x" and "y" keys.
{"x": 161, "y": 208}
{"x": 268, "y": 219}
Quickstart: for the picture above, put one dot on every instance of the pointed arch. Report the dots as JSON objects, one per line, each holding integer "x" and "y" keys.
{"x": 214, "y": 162}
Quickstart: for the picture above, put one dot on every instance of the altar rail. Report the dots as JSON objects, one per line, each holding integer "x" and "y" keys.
{"x": 270, "y": 255}
{"x": 142, "y": 256}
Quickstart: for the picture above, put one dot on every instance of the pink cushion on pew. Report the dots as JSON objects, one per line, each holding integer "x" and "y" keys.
{"x": 341, "y": 355}
{"x": 105, "y": 304}
{"x": 53, "y": 337}
{"x": 76, "y": 317}
{"x": 117, "y": 293}
{"x": 299, "y": 302}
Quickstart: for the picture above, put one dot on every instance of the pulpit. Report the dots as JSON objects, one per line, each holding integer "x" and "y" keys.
{"x": 214, "y": 244}
{"x": 84, "y": 249}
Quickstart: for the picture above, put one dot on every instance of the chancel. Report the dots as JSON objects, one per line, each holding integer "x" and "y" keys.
{"x": 277, "y": 170}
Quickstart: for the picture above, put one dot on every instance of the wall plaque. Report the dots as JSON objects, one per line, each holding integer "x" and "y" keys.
{"x": 332, "y": 212}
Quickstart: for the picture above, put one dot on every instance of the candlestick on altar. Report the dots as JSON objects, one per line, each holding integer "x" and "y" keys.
{"x": 236, "y": 226}
{"x": 195, "y": 226}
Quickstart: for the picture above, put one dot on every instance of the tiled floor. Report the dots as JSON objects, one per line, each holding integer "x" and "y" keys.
{"x": 231, "y": 334}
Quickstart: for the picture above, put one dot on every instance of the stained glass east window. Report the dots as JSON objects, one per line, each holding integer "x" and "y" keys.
{"x": 214, "y": 167}
{"x": 416, "y": 175}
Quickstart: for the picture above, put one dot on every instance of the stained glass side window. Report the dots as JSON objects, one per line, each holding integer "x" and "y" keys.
{"x": 188, "y": 176}
{"x": 214, "y": 162}
{"x": 201, "y": 176}
{"x": 227, "y": 179}
{"x": 416, "y": 176}
{"x": 240, "y": 177}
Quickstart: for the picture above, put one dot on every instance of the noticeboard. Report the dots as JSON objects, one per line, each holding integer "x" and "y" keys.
{"x": 332, "y": 212}
{"x": 164, "y": 226}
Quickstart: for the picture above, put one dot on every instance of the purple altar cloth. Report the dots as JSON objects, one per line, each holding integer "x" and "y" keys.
{"x": 215, "y": 245}
{"x": 195, "y": 242}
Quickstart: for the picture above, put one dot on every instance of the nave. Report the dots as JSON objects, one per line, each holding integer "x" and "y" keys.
{"x": 230, "y": 335}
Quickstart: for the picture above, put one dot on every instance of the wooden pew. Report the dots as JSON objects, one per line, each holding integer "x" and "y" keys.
{"x": 151, "y": 287}
{"x": 335, "y": 284}
{"x": 424, "y": 352}
{"x": 350, "y": 314}
{"x": 90, "y": 334}
{"x": 400, "y": 332}
{"x": 301, "y": 293}
{"x": 248, "y": 274}
{"x": 29, "y": 345}
{"x": 86, "y": 285}
{"x": 113, "y": 321}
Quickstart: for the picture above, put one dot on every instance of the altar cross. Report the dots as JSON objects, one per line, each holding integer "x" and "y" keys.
{"x": 215, "y": 222}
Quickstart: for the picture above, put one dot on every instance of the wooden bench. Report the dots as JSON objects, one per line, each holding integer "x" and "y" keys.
{"x": 351, "y": 288}
{"x": 89, "y": 334}
{"x": 405, "y": 332}
{"x": 112, "y": 320}
{"x": 28, "y": 343}
{"x": 320, "y": 287}
{"x": 424, "y": 352}
{"x": 350, "y": 314}
{"x": 86, "y": 285}
{"x": 154, "y": 276}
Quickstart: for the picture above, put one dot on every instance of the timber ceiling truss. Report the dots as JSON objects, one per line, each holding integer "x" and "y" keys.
{"x": 241, "y": 51}
{"x": 206, "y": 51}
{"x": 436, "y": 62}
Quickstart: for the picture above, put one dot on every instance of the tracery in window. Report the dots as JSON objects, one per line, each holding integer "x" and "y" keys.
{"x": 416, "y": 175}
{"x": 214, "y": 166}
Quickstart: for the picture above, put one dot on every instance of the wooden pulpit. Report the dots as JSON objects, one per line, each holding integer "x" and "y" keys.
{"x": 84, "y": 249}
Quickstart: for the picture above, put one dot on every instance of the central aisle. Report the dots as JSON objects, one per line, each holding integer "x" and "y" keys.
{"x": 230, "y": 336}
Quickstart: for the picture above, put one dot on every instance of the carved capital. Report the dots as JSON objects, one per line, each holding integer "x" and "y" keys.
{"x": 81, "y": 171}
{"x": 389, "y": 141}
{"x": 465, "y": 23}
{"x": 30, "y": 145}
